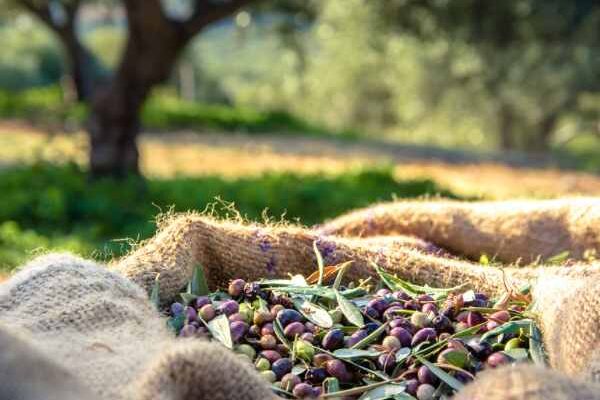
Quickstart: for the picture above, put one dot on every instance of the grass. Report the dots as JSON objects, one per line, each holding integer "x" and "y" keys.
{"x": 56, "y": 206}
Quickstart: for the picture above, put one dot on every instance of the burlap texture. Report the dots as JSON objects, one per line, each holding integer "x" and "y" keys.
{"x": 100, "y": 328}
{"x": 510, "y": 231}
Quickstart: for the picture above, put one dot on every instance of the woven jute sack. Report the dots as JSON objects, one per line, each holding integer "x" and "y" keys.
{"x": 90, "y": 331}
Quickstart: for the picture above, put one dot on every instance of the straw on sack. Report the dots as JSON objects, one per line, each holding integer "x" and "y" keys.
{"x": 508, "y": 230}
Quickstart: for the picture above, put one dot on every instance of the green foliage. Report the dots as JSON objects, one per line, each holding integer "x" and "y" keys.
{"x": 68, "y": 211}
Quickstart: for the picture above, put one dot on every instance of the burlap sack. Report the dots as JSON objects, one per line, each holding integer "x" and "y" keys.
{"x": 101, "y": 330}
{"x": 510, "y": 231}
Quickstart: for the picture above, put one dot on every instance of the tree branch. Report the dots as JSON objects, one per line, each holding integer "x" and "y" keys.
{"x": 208, "y": 11}
{"x": 40, "y": 10}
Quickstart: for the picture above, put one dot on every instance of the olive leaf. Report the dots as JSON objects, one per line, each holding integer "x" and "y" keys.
{"x": 313, "y": 312}
{"x": 508, "y": 328}
{"x": 198, "y": 285}
{"x": 536, "y": 348}
{"x": 176, "y": 323}
{"x": 320, "y": 264}
{"x": 331, "y": 385}
{"x": 441, "y": 374}
{"x": 373, "y": 336}
{"x": 351, "y": 354}
{"x": 402, "y": 354}
{"x": 517, "y": 354}
{"x": 278, "y": 329}
{"x": 219, "y": 329}
{"x": 187, "y": 298}
{"x": 340, "y": 275}
{"x": 350, "y": 311}
{"x": 389, "y": 390}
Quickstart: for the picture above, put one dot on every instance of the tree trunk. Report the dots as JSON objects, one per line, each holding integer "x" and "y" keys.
{"x": 541, "y": 141}
{"x": 505, "y": 118}
{"x": 83, "y": 67}
{"x": 115, "y": 112}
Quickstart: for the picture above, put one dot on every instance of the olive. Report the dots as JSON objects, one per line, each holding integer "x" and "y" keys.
{"x": 177, "y": 309}
{"x": 479, "y": 349}
{"x": 425, "y": 392}
{"x": 425, "y": 375}
{"x": 474, "y": 318}
{"x": 207, "y": 312}
{"x": 371, "y": 327}
{"x": 236, "y": 317}
{"x": 497, "y": 359}
{"x": 401, "y": 322}
{"x": 420, "y": 320}
{"x": 442, "y": 324}
{"x": 294, "y": 329}
{"x": 336, "y": 315}
{"x": 262, "y": 317}
{"x": 412, "y": 305}
{"x": 458, "y": 358}
{"x": 268, "y": 342}
{"x": 402, "y": 335}
{"x": 372, "y": 312}
{"x": 425, "y": 298}
{"x": 191, "y": 314}
{"x": 382, "y": 292}
{"x": 334, "y": 339}
{"x": 386, "y": 362}
{"x": 270, "y": 355}
{"x": 229, "y": 307}
{"x": 378, "y": 304}
{"x": 392, "y": 312}
{"x": 411, "y": 387}
{"x": 320, "y": 359}
{"x": 337, "y": 369}
{"x": 262, "y": 364}
{"x": 238, "y": 330}
{"x": 287, "y": 316}
{"x": 304, "y": 350}
{"x": 303, "y": 391}
{"x": 201, "y": 302}
{"x": 513, "y": 343}
{"x": 289, "y": 381}
{"x": 391, "y": 343}
{"x": 267, "y": 329}
{"x": 308, "y": 337}
{"x": 316, "y": 375}
{"x": 423, "y": 335}
{"x": 281, "y": 367}
{"x": 429, "y": 308}
{"x": 269, "y": 376}
{"x": 400, "y": 295}
{"x": 247, "y": 350}
{"x": 236, "y": 287}
{"x": 187, "y": 331}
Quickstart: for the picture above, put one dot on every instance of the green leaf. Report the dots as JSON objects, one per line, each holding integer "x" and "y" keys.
{"x": 352, "y": 354}
{"x": 278, "y": 329}
{"x": 383, "y": 392}
{"x": 298, "y": 369}
{"x": 350, "y": 311}
{"x": 395, "y": 283}
{"x": 313, "y": 313}
{"x": 371, "y": 338}
{"x": 176, "y": 323}
{"x": 536, "y": 347}
{"x": 219, "y": 329}
{"x": 484, "y": 260}
{"x": 441, "y": 374}
{"x": 508, "y": 328}
{"x": 558, "y": 258}
{"x": 320, "y": 264}
{"x": 187, "y": 298}
{"x": 155, "y": 293}
{"x": 338, "y": 279}
{"x": 331, "y": 385}
{"x": 517, "y": 354}
{"x": 199, "y": 287}
{"x": 402, "y": 354}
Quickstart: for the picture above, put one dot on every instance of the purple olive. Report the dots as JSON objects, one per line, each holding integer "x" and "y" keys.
{"x": 236, "y": 287}
{"x": 423, "y": 335}
{"x": 319, "y": 360}
{"x": 201, "y": 302}
{"x": 207, "y": 312}
{"x": 500, "y": 316}
{"x": 287, "y": 316}
{"x": 333, "y": 340}
{"x": 268, "y": 342}
{"x": 497, "y": 359}
{"x": 177, "y": 309}
{"x": 229, "y": 307}
{"x": 479, "y": 349}
{"x": 310, "y": 327}
{"x": 337, "y": 369}
{"x": 254, "y": 331}
{"x": 281, "y": 367}
{"x": 270, "y": 355}
{"x": 371, "y": 312}
{"x": 267, "y": 329}
{"x": 294, "y": 329}
{"x": 392, "y": 312}
{"x": 238, "y": 330}
{"x": 402, "y": 335}
{"x": 411, "y": 386}
{"x": 400, "y": 295}
{"x": 463, "y": 377}
{"x": 442, "y": 324}
{"x": 191, "y": 314}
{"x": 474, "y": 318}
{"x": 316, "y": 375}
{"x": 371, "y": 327}
{"x": 317, "y": 392}
{"x": 424, "y": 298}
{"x": 289, "y": 381}
{"x": 412, "y": 305}
{"x": 252, "y": 289}
{"x": 429, "y": 308}
{"x": 400, "y": 322}
{"x": 303, "y": 391}
{"x": 425, "y": 392}
{"x": 307, "y": 336}
{"x": 237, "y": 317}
{"x": 426, "y": 376}
{"x": 462, "y": 316}
{"x": 386, "y": 362}
{"x": 188, "y": 331}
{"x": 378, "y": 304}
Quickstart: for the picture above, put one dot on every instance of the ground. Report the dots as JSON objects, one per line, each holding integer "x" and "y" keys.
{"x": 466, "y": 174}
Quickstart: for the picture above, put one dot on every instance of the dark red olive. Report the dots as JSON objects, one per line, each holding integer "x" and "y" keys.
{"x": 337, "y": 369}
{"x": 411, "y": 386}
{"x": 303, "y": 391}
{"x": 426, "y": 376}
{"x": 386, "y": 362}
{"x": 236, "y": 287}
{"x": 423, "y": 335}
